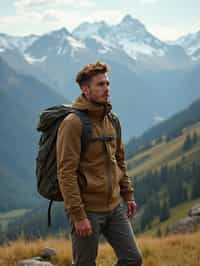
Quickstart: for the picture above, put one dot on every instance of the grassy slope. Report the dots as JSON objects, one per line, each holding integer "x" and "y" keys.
{"x": 170, "y": 153}
{"x": 176, "y": 213}
{"x": 5, "y": 217}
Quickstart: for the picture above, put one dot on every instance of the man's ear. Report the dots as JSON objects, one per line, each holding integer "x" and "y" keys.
{"x": 85, "y": 89}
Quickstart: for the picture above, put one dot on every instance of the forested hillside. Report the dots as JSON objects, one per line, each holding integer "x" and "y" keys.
{"x": 22, "y": 98}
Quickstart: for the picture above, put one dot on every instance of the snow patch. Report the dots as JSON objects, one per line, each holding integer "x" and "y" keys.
{"x": 158, "y": 119}
{"x": 134, "y": 49}
{"x": 61, "y": 50}
{"x": 104, "y": 51}
{"x": 76, "y": 44}
{"x": 106, "y": 46}
{"x": 32, "y": 60}
{"x": 11, "y": 42}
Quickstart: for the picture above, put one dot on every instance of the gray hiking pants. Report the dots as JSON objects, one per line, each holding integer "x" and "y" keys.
{"x": 117, "y": 230}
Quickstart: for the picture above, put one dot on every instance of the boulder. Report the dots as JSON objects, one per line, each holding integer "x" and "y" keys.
{"x": 186, "y": 224}
{"x": 194, "y": 211}
{"x": 32, "y": 262}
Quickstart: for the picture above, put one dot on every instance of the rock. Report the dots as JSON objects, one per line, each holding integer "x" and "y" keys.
{"x": 194, "y": 211}
{"x": 37, "y": 258}
{"x": 187, "y": 224}
{"x": 31, "y": 262}
{"x": 47, "y": 253}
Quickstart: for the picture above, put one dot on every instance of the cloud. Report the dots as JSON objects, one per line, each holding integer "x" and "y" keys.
{"x": 165, "y": 32}
{"x": 44, "y": 15}
{"x": 52, "y": 10}
{"x": 29, "y": 5}
{"x": 111, "y": 16}
{"x": 148, "y": 1}
{"x": 171, "y": 33}
{"x": 195, "y": 26}
{"x": 60, "y": 18}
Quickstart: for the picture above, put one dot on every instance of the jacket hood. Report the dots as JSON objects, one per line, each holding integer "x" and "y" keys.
{"x": 96, "y": 110}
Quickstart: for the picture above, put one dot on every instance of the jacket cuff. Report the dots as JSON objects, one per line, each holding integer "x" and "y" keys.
{"x": 78, "y": 215}
{"x": 128, "y": 196}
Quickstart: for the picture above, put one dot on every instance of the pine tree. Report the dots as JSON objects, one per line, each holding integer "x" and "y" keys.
{"x": 164, "y": 211}
{"x": 194, "y": 138}
{"x": 158, "y": 232}
{"x": 187, "y": 143}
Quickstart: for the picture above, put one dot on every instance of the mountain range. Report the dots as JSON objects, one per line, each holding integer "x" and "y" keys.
{"x": 149, "y": 77}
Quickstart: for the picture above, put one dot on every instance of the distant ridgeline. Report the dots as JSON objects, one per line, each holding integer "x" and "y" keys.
{"x": 168, "y": 129}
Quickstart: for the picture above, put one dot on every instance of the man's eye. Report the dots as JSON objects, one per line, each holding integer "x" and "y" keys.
{"x": 103, "y": 83}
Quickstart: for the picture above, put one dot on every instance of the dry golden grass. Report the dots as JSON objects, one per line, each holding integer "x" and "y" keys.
{"x": 174, "y": 250}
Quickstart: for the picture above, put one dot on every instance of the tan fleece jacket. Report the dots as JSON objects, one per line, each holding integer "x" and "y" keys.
{"x": 96, "y": 181}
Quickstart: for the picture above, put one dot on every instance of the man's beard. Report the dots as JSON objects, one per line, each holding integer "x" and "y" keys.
{"x": 95, "y": 100}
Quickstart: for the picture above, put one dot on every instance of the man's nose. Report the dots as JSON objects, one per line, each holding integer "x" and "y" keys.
{"x": 107, "y": 87}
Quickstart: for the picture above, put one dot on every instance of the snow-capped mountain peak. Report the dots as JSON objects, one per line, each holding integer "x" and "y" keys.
{"x": 54, "y": 43}
{"x": 129, "y": 22}
{"x": 58, "y": 33}
{"x": 191, "y": 43}
{"x": 88, "y": 29}
{"x": 8, "y": 42}
{"x": 129, "y": 34}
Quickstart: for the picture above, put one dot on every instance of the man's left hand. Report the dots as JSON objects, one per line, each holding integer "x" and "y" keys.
{"x": 131, "y": 208}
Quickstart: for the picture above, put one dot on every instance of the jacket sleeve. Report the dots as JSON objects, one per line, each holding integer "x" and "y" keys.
{"x": 126, "y": 187}
{"x": 68, "y": 147}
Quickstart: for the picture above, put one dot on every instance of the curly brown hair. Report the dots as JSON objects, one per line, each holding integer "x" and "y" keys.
{"x": 90, "y": 70}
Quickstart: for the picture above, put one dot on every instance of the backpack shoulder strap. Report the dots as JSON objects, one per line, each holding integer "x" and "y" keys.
{"x": 116, "y": 123}
{"x": 87, "y": 128}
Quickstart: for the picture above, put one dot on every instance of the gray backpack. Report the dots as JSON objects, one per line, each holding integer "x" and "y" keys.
{"x": 46, "y": 166}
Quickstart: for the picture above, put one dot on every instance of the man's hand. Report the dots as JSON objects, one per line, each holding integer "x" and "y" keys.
{"x": 83, "y": 227}
{"x": 131, "y": 208}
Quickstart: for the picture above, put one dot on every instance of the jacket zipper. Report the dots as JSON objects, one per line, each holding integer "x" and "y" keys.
{"x": 107, "y": 166}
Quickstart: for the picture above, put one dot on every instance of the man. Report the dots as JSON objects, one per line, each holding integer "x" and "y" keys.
{"x": 92, "y": 184}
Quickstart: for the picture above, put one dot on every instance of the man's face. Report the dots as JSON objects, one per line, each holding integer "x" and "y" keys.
{"x": 98, "y": 88}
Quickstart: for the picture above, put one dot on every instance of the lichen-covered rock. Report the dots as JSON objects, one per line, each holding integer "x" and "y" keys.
{"x": 194, "y": 211}
{"x": 32, "y": 262}
{"x": 187, "y": 224}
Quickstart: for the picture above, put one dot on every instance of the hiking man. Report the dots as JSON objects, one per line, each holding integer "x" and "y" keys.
{"x": 92, "y": 184}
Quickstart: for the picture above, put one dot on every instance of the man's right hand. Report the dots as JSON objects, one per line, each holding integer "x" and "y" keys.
{"x": 83, "y": 227}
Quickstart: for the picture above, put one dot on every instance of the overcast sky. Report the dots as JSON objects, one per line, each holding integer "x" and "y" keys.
{"x": 167, "y": 19}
